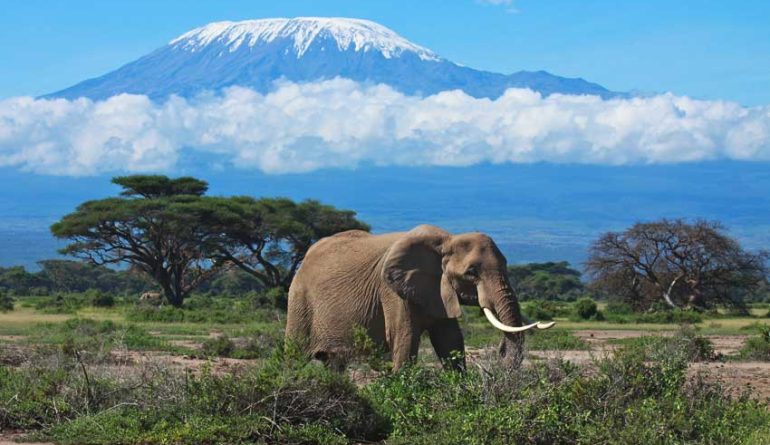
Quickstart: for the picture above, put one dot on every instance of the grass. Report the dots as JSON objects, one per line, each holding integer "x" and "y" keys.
{"x": 641, "y": 394}
{"x": 630, "y": 398}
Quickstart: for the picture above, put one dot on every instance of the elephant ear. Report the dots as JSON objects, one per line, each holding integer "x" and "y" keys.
{"x": 414, "y": 271}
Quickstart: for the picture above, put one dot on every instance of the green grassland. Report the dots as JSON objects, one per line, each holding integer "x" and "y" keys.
{"x": 64, "y": 378}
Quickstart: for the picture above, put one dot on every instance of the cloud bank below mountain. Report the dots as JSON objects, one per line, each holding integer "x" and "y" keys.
{"x": 341, "y": 123}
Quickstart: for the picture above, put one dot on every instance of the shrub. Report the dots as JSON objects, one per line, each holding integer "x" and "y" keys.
{"x": 219, "y": 346}
{"x": 203, "y": 309}
{"x": 367, "y": 351}
{"x": 6, "y": 302}
{"x": 757, "y": 347}
{"x": 275, "y": 298}
{"x": 627, "y": 400}
{"x": 660, "y": 316}
{"x": 100, "y": 299}
{"x": 258, "y": 345}
{"x": 585, "y": 309}
{"x": 60, "y": 303}
{"x": 669, "y": 316}
{"x": 685, "y": 345}
{"x": 539, "y": 310}
{"x": 555, "y": 340}
{"x": 619, "y": 308}
{"x": 284, "y": 400}
{"x": 93, "y": 340}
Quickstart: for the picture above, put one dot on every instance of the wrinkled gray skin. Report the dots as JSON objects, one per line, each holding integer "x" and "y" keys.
{"x": 397, "y": 286}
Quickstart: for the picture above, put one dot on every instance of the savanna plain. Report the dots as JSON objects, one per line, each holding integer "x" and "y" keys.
{"x": 102, "y": 369}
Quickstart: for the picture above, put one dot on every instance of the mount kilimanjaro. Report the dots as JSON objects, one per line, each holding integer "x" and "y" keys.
{"x": 256, "y": 53}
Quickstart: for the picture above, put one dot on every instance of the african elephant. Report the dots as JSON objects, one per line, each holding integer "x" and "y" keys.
{"x": 398, "y": 285}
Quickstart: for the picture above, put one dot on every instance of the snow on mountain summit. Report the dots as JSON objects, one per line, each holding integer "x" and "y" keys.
{"x": 362, "y": 35}
{"x": 257, "y": 53}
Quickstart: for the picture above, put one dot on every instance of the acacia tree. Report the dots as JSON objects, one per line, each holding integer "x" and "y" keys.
{"x": 684, "y": 265}
{"x": 151, "y": 227}
{"x": 269, "y": 237}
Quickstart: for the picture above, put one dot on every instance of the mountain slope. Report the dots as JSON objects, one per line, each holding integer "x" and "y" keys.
{"x": 255, "y": 53}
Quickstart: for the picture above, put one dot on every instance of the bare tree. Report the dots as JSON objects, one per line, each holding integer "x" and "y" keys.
{"x": 684, "y": 265}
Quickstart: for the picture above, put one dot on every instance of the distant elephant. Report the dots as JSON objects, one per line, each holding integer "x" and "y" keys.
{"x": 398, "y": 285}
{"x": 153, "y": 298}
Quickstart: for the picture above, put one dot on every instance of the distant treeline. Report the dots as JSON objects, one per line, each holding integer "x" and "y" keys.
{"x": 68, "y": 276}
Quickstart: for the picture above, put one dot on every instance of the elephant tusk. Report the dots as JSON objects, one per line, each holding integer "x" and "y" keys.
{"x": 541, "y": 325}
{"x": 504, "y": 327}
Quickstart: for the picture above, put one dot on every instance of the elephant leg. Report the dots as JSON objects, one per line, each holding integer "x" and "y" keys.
{"x": 405, "y": 349}
{"x": 402, "y": 331}
{"x": 447, "y": 340}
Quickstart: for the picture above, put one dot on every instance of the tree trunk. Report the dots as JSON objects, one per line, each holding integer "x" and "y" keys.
{"x": 667, "y": 293}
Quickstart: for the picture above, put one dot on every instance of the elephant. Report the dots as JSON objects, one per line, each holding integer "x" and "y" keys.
{"x": 396, "y": 286}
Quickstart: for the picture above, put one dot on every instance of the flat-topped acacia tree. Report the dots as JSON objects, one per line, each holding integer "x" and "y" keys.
{"x": 169, "y": 230}
{"x": 151, "y": 226}
{"x": 269, "y": 237}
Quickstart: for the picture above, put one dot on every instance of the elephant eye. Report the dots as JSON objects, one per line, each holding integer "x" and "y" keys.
{"x": 472, "y": 272}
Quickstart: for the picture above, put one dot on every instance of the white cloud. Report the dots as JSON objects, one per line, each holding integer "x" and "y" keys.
{"x": 508, "y": 4}
{"x": 302, "y": 127}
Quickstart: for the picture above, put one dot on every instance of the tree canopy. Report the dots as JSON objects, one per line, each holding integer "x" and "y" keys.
{"x": 167, "y": 229}
{"x": 546, "y": 281}
{"x": 150, "y": 228}
{"x": 683, "y": 265}
{"x": 269, "y": 237}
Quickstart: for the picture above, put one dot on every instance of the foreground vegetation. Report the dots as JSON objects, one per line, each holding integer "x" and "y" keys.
{"x": 628, "y": 399}
{"x": 101, "y": 375}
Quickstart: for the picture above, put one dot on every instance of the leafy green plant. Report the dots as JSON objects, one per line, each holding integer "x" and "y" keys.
{"x": 219, "y": 346}
{"x": 6, "y": 302}
{"x": 366, "y": 350}
{"x": 757, "y": 347}
{"x": 539, "y": 310}
{"x": 61, "y": 303}
{"x": 555, "y": 340}
{"x": 286, "y": 399}
{"x": 586, "y": 309}
{"x": 100, "y": 299}
{"x": 685, "y": 344}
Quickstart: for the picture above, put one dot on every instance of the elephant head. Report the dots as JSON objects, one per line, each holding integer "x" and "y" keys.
{"x": 438, "y": 271}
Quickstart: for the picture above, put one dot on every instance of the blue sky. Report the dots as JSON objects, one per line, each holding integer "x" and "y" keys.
{"x": 704, "y": 49}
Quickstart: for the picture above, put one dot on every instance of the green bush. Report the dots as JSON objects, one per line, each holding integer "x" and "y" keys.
{"x": 627, "y": 400}
{"x": 285, "y": 400}
{"x": 219, "y": 346}
{"x": 539, "y": 310}
{"x": 93, "y": 340}
{"x": 555, "y": 340}
{"x": 586, "y": 309}
{"x": 6, "y": 302}
{"x": 204, "y": 309}
{"x": 685, "y": 344}
{"x": 669, "y": 316}
{"x": 367, "y": 351}
{"x": 100, "y": 299}
{"x": 618, "y": 307}
{"x": 662, "y": 316}
{"x": 757, "y": 347}
{"x": 258, "y": 345}
{"x": 60, "y": 303}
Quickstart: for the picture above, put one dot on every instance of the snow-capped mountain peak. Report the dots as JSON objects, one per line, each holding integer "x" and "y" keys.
{"x": 355, "y": 34}
{"x": 256, "y": 53}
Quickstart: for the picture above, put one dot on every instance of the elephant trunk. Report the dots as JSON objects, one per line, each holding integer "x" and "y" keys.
{"x": 501, "y": 308}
